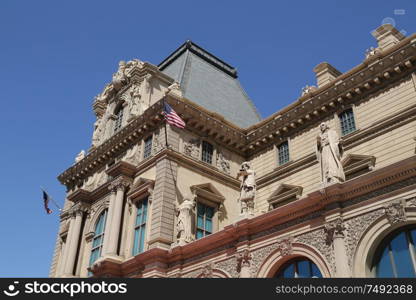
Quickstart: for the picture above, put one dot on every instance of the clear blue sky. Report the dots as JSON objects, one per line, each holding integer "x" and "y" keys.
{"x": 57, "y": 55}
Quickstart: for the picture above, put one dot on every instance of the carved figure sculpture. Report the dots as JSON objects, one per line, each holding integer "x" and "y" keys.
{"x": 247, "y": 189}
{"x": 184, "y": 221}
{"x": 329, "y": 152}
{"x": 80, "y": 156}
{"x": 119, "y": 78}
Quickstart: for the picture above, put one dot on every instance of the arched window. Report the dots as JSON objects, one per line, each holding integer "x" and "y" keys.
{"x": 119, "y": 119}
{"x": 140, "y": 227}
{"x": 97, "y": 242}
{"x": 396, "y": 256}
{"x": 299, "y": 268}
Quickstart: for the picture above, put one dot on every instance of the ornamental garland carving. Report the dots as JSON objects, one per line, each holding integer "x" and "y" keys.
{"x": 133, "y": 155}
{"x": 157, "y": 145}
{"x": 355, "y": 227}
{"x": 318, "y": 240}
{"x": 223, "y": 163}
{"x": 192, "y": 147}
{"x": 395, "y": 212}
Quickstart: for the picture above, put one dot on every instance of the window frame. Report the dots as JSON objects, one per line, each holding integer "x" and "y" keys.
{"x": 142, "y": 227}
{"x": 212, "y": 162}
{"x": 279, "y": 163}
{"x": 118, "y": 118}
{"x": 386, "y": 244}
{"x": 95, "y": 237}
{"x": 340, "y": 121}
{"x": 149, "y": 153}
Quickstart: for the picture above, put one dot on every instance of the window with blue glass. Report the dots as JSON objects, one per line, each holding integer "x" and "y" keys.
{"x": 147, "y": 147}
{"x": 299, "y": 268}
{"x": 98, "y": 240}
{"x": 396, "y": 256}
{"x": 347, "y": 121}
{"x": 140, "y": 227}
{"x": 119, "y": 119}
{"x": 283, "y": 151}
{"x": 207, "y": 152}
{"x": 204, "y": 220}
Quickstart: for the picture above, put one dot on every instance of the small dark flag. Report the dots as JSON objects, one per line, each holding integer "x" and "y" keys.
{"x": 46, "y": 200}
{"x": 172, "y": 117}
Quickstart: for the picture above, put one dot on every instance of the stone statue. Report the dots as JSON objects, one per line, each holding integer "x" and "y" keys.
{"x": 80, "y": 156}
{"x": 106, "y": 94}
{"x": 184, "y": 222}
{"x": 222, "y": 163}
{"x": 329, "y": 152}
{"x": 135, "y": 102}
{"x": 119, "y": 78}
{"x": 247, "y": 189}
{"x": 97, "y": 132}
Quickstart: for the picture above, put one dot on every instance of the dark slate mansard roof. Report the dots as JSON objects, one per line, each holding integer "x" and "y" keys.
{"x": 211, "y": 83}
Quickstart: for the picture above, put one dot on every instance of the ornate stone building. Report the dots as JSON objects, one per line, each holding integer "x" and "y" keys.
{"x": 324, "y": 187}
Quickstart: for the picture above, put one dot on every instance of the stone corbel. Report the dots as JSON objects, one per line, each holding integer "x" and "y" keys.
{"x": 89, "y": 236}
{"x": 244, "y": 263}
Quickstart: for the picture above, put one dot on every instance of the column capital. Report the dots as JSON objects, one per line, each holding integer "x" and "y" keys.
{"x": 334, "y": 229}
{"x": 120, "y": 183}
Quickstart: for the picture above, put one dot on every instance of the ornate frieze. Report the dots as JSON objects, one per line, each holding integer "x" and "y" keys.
{"x": 230, "y": 266}
{"x": 318, "y": 240}
{"x": 355, "y": 227}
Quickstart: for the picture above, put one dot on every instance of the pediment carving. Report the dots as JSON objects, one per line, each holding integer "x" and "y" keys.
{"x": 357, "y": 164}
{"x": 208, "y": 191}
{"x": 283, "y": 194}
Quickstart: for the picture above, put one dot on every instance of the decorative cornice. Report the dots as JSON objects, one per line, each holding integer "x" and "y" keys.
{"x": 122, "y": 168}
{"x": 375, "y": 73}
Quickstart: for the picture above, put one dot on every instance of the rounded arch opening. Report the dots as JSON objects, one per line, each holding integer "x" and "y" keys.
{"x": 275, "y": 262}
{"x": 374, "y": 241}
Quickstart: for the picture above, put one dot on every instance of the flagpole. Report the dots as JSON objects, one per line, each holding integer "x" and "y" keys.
{"x": 54, "y": 202}
{"x": 166, "y": 129}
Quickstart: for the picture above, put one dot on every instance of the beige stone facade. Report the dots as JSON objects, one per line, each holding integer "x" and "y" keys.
{"x": 339, "y": 228}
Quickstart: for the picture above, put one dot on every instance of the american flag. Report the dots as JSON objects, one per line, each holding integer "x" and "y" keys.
{"x": 172, "y": 117}
{"x": 46, "y": 199}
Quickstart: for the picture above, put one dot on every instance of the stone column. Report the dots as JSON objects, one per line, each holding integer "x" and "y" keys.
{"x": 107, "y": 228}
{"x": 120, "y": 185}
{"x": 163, "y": 205}
{"x": 335, "y": 235}
{"x": 72, "y": 244}
{"x": 62, "y": 256}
